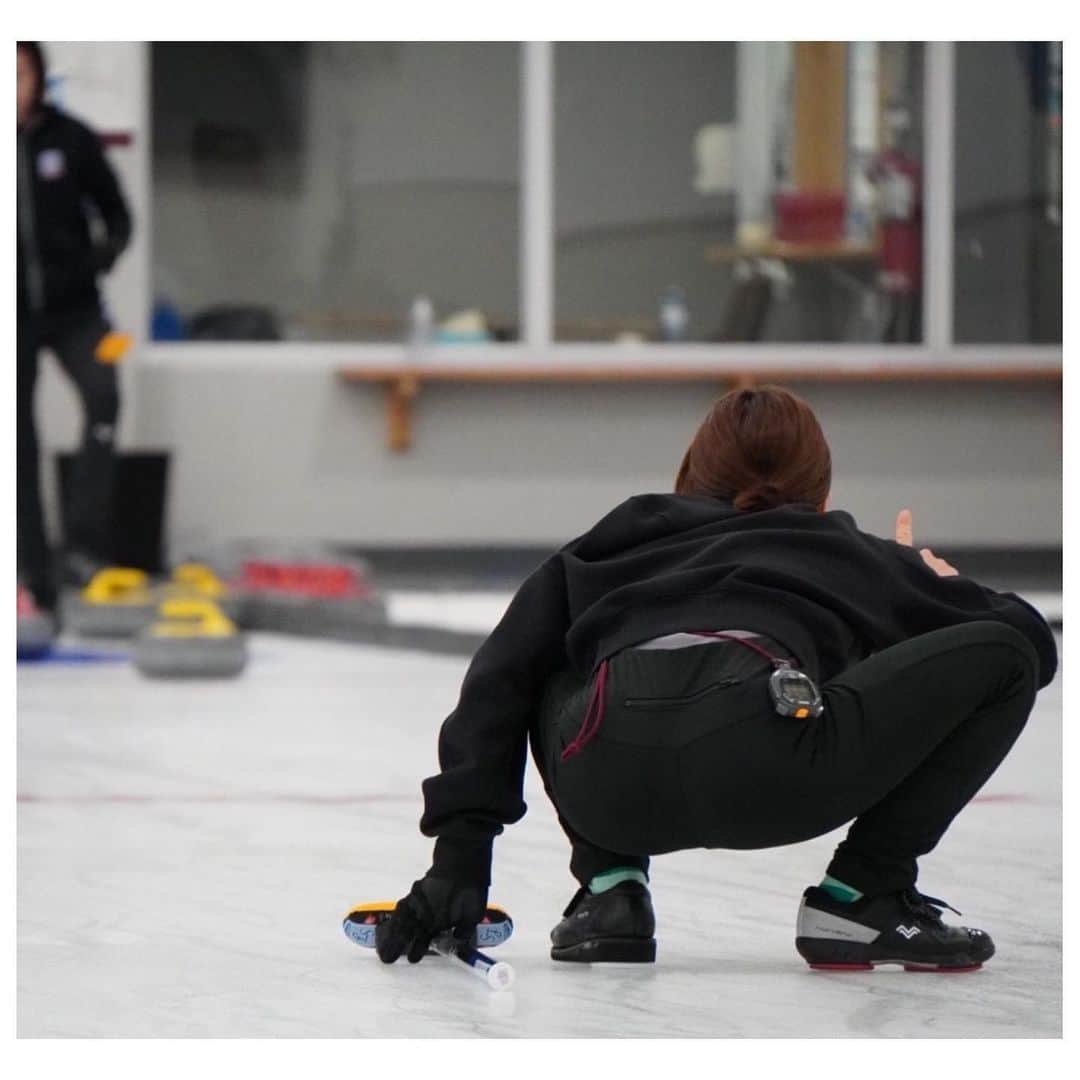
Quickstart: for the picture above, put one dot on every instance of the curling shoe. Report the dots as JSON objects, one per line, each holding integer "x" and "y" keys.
{"x": 899, "y": 928}
{"x": 614, "y": 927}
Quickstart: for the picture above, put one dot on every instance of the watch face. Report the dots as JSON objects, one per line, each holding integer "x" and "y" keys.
{"x": 794, "y": 694}
{"x": 797, "y": 688}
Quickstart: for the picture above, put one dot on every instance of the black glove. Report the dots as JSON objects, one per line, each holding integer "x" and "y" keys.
{"x": 433, "y": 906}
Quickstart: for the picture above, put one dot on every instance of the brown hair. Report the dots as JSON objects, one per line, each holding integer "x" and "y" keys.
{"x": 758, "y": 448}
{"x": 36, "y": 56}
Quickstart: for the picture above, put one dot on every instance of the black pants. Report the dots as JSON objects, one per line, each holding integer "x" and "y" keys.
{"x": 691, "y": 753}
{"x": 73, "y": 337}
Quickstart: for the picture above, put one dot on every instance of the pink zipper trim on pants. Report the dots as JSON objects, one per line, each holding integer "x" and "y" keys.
{"x": 594, "y": 715}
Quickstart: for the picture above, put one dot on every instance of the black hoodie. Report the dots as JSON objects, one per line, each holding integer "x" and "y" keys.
{"x": 812, "y": 581}
{"x": 63, "y": 172}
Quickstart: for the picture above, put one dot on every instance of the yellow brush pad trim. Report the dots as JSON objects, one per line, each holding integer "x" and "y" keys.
{"x": 390, "y": 905}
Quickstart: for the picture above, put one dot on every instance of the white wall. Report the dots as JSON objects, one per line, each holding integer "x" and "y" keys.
{"x": 297, "y": 454}
{"x": 292, "y": 452}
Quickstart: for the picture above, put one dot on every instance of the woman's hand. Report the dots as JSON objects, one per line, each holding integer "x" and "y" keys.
{"x": 903, "y": 536}
{"x": 433, "y": 906}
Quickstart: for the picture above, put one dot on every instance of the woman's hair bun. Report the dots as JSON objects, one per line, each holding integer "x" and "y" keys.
{"x": 758, "y": 448}
{"x": 761, "y": 496}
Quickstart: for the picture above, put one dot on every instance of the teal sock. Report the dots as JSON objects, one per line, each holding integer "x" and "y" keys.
{"x": 610, "y": 878}
{"x": 839, "y": 891}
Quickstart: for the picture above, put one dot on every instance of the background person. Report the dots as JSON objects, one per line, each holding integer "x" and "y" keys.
{"x": 72, "y": 222}
{"x": 652, "y": 735}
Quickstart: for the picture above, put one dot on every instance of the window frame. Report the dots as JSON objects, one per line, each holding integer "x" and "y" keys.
{"x": 536, "y": 277}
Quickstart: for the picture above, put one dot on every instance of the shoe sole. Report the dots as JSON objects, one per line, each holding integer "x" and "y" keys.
{"x": 842, "y": 956}
{"x": 608, "y": 951}
{"x": 940, "y": 969}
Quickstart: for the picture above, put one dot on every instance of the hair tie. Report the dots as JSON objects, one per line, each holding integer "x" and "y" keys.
{"x": 762, "y": 496}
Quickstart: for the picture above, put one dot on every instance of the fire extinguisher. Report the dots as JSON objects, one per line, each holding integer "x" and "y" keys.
{"x": 898, "y": 178}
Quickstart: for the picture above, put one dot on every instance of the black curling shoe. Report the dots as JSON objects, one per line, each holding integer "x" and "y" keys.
{"x": 900, "y": 928}
{"x": 613, "y": 927}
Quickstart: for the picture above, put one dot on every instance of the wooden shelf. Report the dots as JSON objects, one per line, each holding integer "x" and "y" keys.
{"x": 833, "y": 251}
{"x": 401, "y": 384}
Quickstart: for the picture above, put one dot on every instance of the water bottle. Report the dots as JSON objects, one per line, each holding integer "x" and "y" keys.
{"x": 421, "y": 323}
{"x": 674, "y": 314}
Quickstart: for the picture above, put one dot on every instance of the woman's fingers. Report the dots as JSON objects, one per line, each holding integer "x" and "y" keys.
{"x": 939, "y": 566}
{"x": 903, "y": 528}
{"x": 903, "y": 536}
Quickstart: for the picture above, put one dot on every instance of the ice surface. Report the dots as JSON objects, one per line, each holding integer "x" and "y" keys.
{"x": 186, "y": 854}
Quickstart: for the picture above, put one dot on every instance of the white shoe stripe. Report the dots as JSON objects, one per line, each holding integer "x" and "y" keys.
{"x": 822, "y": 924}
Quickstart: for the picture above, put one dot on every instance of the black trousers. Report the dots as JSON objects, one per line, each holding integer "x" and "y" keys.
{"x": 691, "y": 753}
{"x": 73, "y": 337}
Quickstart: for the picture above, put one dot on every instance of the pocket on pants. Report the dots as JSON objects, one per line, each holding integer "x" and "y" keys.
{"x": 659, "y": 699}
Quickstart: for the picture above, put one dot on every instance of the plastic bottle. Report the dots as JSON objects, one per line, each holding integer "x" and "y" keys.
{"x": 674, "y": 314}
{"x": 421, "y": 323}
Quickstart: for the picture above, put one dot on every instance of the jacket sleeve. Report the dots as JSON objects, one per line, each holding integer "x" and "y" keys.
{"x": 925, "y": 601}
{"x": 101, "y": 187}
{"x": 483, "y": 742}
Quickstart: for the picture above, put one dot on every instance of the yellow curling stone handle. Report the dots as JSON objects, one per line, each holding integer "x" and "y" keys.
{"x": 198, "y": 577}
{"x": 117, "y": 585}
{"x": 192, "y": 618}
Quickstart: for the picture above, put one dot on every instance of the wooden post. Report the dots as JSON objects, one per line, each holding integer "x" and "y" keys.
{"x": 820, "y": 115}
{"x": 399, "y": 398}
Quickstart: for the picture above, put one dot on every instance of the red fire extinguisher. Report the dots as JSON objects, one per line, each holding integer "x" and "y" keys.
{"x": 899, "y": 182}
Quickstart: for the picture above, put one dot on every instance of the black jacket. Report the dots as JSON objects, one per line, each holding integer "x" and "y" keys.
{"x": 62, "y": 172}
{"x": 657, "y": 564}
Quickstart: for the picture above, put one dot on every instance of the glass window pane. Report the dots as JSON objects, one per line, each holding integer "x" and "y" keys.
{"x": 318, "y": 191}
{"x": 1008, "y": 285}
{"x": 738, "y": 191}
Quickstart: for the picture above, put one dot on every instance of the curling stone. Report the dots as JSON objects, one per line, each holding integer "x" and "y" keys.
{"x": 197, "y": 581}
{"x": 35, "y": 629}
{"x": 117, "y": 602}
{"x": 191, "y": 638}
{"x": 310, "y": 598}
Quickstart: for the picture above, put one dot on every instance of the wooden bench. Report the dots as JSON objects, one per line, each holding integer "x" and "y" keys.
{"x": 401, "y": 384}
